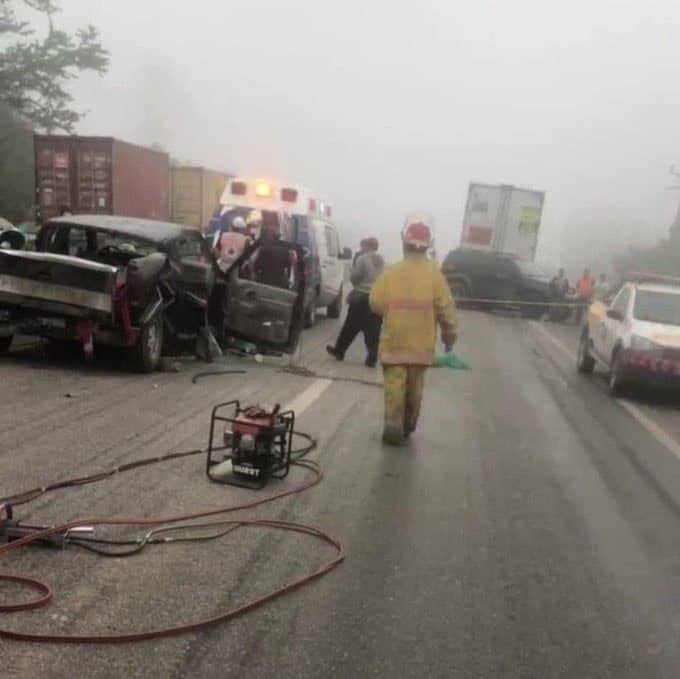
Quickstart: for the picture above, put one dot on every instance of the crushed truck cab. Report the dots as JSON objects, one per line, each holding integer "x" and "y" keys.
{"x": 139, "y": 284}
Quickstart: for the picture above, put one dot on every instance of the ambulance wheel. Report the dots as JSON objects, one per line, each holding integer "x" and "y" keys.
{"x": 149, "y": 347}
{"x": 585, "y": 363}
{"x": 310, "y": 314}
{"x": 5, "y": 343}
{"x": 334, "y": 310}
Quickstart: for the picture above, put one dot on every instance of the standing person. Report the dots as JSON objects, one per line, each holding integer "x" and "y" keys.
{"x": 585, "y": 287}
{"x": 228, "y": 245}
{"x": 412, "y": 297}
{"x": 359, "y": 252}
{"x": 367, "y": 267}
{"x": 559, "y": 287}
{"x": 602, "y": 288}
{"x": 254, "y": 224}
{"x": 273, "y": 261}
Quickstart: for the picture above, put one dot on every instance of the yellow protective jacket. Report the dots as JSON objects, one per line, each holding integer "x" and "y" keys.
{"x": 412, "y": 297}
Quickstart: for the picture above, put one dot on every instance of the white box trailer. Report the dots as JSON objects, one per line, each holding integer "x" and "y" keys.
{"x": 502, "y": 218}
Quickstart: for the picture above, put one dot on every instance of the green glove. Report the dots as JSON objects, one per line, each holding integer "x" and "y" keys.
{"x": 450, "y": 360}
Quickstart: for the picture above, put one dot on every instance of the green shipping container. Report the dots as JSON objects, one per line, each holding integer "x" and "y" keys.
{"x": 196, "y": 192}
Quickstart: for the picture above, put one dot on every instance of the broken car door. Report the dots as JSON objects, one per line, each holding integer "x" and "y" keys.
{"x": 265, "y": 314}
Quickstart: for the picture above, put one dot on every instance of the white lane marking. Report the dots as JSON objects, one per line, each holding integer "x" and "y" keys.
{"x": 652, "y": 427}
{"x": 658, "y": 432}
{"x": 301, "y": 402}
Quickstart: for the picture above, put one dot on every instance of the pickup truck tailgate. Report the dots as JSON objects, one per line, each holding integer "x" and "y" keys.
{"x": 56, "y": 283}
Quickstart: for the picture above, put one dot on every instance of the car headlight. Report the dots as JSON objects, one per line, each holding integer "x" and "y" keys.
{"x": 639, "y": 343}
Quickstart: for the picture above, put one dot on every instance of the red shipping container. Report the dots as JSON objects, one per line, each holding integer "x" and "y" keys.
{"x": 100, "y": 175}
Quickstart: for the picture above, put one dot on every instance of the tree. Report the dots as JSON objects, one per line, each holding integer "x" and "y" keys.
{"x": 34, "y": 71}
{"x": 16, "y": 167}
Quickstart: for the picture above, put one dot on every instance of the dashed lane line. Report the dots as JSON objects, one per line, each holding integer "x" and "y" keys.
{"x": 311, "y": 394}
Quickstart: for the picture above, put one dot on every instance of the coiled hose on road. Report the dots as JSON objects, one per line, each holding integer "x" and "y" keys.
{"x": 156, "y": 536}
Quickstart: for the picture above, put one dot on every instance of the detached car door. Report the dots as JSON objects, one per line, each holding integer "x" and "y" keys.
{"x": 270, "y": 316}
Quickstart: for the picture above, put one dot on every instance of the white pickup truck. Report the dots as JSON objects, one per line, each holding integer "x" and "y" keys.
{"x": 636, "y": 335}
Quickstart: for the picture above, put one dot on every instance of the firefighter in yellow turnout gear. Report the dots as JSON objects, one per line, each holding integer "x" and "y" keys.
{"x": 412, "y": 297}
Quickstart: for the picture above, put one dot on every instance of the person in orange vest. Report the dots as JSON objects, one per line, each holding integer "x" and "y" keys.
{"x": 228, "y": 245}
{"x": 585, "y": 287}
{"x": 412, "y": 297}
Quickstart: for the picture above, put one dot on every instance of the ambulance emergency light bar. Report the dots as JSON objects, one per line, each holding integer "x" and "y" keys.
{"x": 256, "y": 192}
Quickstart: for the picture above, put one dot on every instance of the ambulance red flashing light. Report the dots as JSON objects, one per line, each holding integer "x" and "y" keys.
{"x": 289, "y": 195}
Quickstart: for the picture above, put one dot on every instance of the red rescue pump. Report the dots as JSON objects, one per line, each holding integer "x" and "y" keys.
{"x": 256, "y": 446}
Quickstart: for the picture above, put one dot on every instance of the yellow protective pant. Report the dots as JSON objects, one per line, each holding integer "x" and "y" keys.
{"x": 403, "y": 393}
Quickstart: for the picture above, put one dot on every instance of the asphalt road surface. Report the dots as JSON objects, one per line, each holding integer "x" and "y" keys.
{"x": 531, "y": 528}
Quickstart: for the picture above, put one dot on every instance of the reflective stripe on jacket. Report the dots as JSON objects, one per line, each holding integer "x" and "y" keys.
{"x": 413, "y": 297}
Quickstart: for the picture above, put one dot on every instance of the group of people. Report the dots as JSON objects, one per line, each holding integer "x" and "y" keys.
{"x": 587, "y": 289}
{"x": 398, "y": 309}
{"x": 271, "y": 264}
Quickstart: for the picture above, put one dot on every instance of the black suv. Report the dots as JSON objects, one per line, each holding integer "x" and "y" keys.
{"x": 484, "y": 275}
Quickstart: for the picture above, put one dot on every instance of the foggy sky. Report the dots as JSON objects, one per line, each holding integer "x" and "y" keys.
{"x": 384, "y": 107}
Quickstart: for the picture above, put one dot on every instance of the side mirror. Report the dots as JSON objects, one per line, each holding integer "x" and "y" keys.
{"x": 346, "y": 253}
{"x": 615, "y": 314}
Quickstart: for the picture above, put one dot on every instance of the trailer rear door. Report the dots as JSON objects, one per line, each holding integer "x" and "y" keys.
{"x": 522, "y": 222}
{"x": 482, "y": 213}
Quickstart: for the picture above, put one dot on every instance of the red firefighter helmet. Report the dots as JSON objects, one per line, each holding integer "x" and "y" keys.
{"x": 417, "y": 234}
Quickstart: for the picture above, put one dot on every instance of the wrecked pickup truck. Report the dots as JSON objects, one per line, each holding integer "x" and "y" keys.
{"x": 140, "y": 284}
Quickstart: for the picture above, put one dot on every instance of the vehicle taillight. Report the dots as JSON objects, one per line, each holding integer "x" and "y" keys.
{"x": 312, "y": 205}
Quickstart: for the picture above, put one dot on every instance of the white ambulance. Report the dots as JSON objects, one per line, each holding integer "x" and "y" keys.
{"x": 299, "y": 217}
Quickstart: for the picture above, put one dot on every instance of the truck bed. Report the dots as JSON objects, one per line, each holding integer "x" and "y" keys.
{"x": 56, "y": 283}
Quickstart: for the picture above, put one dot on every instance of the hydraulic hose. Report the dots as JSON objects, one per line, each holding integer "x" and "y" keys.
{"x": 156, "y": 536}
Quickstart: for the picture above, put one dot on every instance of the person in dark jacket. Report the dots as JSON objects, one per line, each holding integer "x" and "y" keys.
{"x": 367, "y": 267}
{"x": 359, "y": 252}
{"x": 273, "y": 261}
